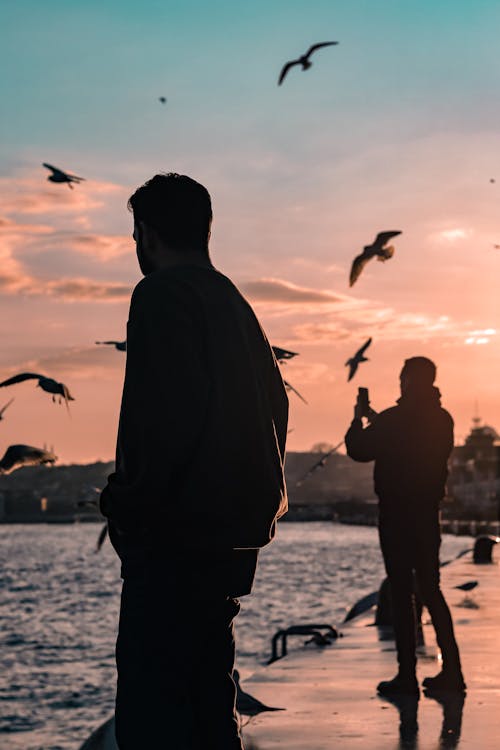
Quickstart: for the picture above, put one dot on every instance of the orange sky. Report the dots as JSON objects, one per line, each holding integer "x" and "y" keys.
{"x": 402, "y": 135}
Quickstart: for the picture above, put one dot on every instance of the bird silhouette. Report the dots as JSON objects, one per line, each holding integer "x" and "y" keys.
{"x": 355, "y": 361}
{"x": 58, "y": 175}
{"x": 121, "y": 346}
{"x": 162, "y": 99}
{"x": 467, "y": 586}
{"x": 377, "y": 250}
{"x": 246, "y": 704}
{"x": 24, "y": 455}
{"x": 283, "y": 354}
{"x": 290, "y": 387}
{"x": 2, "y": 410}
{"x": 320, "y": 464}
{"x": 46, "y": 384}
{"x": 302, "y": 60}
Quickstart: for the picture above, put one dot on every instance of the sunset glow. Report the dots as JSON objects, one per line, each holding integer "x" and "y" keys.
{"x": 400, "y": 135}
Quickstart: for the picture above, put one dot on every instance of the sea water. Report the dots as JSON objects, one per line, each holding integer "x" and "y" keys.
{"x": 59, "y": 612}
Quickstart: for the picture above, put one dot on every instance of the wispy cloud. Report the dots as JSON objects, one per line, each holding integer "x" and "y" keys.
{"x": 280, "y": 292}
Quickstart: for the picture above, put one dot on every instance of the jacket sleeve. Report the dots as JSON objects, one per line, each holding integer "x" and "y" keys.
{"x": 163, "y": 407}
{"x": 361, "y": 443}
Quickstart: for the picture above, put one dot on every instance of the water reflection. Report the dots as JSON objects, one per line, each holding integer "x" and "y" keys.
{"x": 407, "y": 706}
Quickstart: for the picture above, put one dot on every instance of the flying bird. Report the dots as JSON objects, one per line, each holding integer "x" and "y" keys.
{"x": 497, "y": 247}
{"x": 467, "y": 586}
{"x": 294, "y": 390}
{"x": 246, "y": 704}
{"x": 162, "y": 99}
{"x": 319, "y": 464}
{"x": 302, "y": 60}
{"x": 2, "y": 410}
{"x": 24, "y": 455}
{"x": 355, "y": 361}
{"x": 378, "y": 250}
{"x": 283, "y": 354}
{"x": 58, "y": 175}
{"x": 46, "y": 384}
{"x": 121, "y": 346}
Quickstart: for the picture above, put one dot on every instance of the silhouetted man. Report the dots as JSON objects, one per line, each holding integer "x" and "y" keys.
{"x": 199, "y": 480}
{"x": 410, "y": 444}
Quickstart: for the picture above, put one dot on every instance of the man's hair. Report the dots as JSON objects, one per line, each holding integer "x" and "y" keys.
{"x": 177, "y": 207}
{"x": 420, "y": 370}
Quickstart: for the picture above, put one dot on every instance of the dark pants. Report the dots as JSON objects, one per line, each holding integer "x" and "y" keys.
{"x": 411, "y": 544}
{"x": 175, "y": 657}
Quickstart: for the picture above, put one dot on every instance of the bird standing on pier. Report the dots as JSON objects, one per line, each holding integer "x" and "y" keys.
{"x": 302, "y": 60}
{"x": 58, "y": 175}
{"x": 246, "y": 704}
{"x": 354, "y": 362}
{"x": 378, "y": 249}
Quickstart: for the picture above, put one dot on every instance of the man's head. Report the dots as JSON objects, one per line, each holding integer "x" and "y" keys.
{"x": 417, "y": 372}
{"x": 172, "y": 219}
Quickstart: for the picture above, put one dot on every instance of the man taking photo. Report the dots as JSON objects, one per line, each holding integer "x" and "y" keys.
{"x": 410, "y": 444}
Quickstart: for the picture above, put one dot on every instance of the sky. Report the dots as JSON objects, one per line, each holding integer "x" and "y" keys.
{"x": 394, "y": 128}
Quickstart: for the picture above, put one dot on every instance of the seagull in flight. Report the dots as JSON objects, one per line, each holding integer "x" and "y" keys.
{"x": 24, "y": 455}
{"x": 2, "y": 410}
{"x": 46, "y": 384}
{"x": 162, "y": 99}
{"x": 121, "y": 346}
{"x": 283, "y": 354}
{"x": 355, "y": 361}
{"x": 58, "y": 175}
{"x": 302, "y": 60}
{"x": 378, "y": 249}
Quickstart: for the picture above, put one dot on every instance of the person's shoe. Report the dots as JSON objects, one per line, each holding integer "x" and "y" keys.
{"x": 451, "y": 682}
{"x": 399, "y": 685}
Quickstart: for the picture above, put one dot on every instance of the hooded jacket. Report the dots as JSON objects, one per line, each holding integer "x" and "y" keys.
{"x": 203, "y": 423}
{"x": 410, "y": 444}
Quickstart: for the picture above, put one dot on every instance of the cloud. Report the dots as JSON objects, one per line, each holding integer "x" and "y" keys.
{"x": 103, "y": 247}
{"x": 280, "y": 292}
{"x": 23, "y": 241}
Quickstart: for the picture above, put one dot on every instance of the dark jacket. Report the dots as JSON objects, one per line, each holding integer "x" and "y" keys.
{"x": 410, "y": 444}
{"x": 203, "y": 422}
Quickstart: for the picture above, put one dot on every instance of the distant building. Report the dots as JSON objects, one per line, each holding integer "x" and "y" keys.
{"x": 474, "y": 481}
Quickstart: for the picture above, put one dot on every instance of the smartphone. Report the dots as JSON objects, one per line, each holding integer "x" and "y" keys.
{"x": 364, "y": 401}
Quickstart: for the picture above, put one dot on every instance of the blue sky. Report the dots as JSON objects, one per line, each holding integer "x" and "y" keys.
{"x": 396, "y": 127}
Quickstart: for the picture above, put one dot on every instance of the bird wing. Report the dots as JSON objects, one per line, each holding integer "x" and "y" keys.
{"x": 74, "y": 177}
{"x": 353, "y": 366}
{"x": 314, "y": 47}
{"x": 280, "y": 353}
{"x": 363, "y": 349}
{"x": 19, "y": 378}
{"x": 2, "y": 410}
{"x": 383, "y": 237}
{"x": 108, "y": 342}
{"x": 54, "y": 170}
{"x": 20, "y": 455}
{"x": 102, "y": 537}
{"x": 291, "y": 388}
{"x": 285, "y": 70}
{"x": 358, "y": 264}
